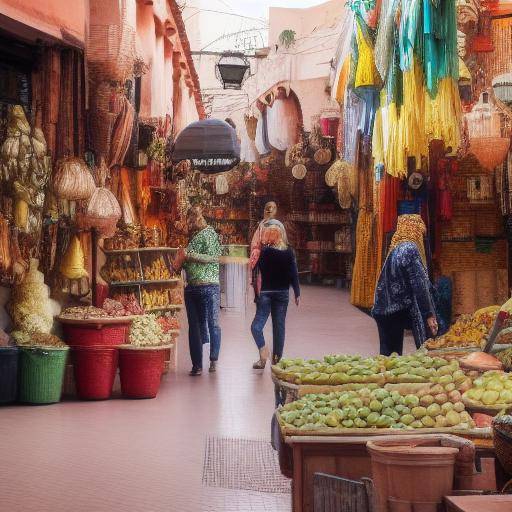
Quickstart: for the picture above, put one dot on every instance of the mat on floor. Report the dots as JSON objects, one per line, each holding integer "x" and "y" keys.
{"x": 247, "y": 464}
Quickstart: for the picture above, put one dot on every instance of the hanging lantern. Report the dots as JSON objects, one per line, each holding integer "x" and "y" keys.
{"x": 232, "y": 69}
{"x": 73, "y": 180}
{"x": 502, "y": 85}
{"x": 484, "y": 128}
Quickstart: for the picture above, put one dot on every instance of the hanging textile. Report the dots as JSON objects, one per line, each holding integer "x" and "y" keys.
{"x": 446, "y": 169}
{"x": 384, "y": 41}
{"x": 366, "y": 72}
{"x": 351, "y": 118}
{"x": 283, "y": 122}
{"x": 342, "y": 58}
{"x": 122, "y": 133}
{"x": 129, "y": 214}
{"x": 261, "y": 141}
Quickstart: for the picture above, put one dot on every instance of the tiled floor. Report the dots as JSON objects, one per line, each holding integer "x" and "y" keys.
{"x": 147, "y": 456}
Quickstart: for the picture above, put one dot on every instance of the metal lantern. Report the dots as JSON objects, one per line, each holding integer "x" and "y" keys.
{"x": 232, "y": 69}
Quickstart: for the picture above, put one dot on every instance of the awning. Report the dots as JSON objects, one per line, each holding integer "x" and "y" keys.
{"x": 211, "y": 145}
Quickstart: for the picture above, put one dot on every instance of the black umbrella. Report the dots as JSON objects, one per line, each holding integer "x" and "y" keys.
{"x": 211, "y": 145}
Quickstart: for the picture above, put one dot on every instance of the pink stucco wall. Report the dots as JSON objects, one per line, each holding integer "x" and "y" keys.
{"x": 50, "y": 16}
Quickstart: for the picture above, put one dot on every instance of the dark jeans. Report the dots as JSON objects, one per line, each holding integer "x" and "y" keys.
{"x": 391, "y": 331}
{"x": 203, "y": 305}
{"x": 275, "y": 304}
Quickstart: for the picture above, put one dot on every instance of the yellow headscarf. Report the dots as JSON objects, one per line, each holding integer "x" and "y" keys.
{"x": 410, "y": 228}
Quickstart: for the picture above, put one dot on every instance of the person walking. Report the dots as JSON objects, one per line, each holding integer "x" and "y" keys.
{"x": 278, "y": 269}
{"x": 403, "y": 296}
{"x": 202, "y": 293}
{"x": 269, "y": 219}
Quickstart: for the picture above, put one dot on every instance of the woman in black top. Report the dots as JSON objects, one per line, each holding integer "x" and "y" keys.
{"x": 278, "y": 269}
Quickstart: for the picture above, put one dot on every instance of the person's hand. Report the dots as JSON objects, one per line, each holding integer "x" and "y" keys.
{"x": 432, "y": 325}
{"x": 179, "y": 259}
{"x": 297, "y": 301}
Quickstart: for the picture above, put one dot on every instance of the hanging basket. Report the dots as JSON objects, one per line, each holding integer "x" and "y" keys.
{"x": 221, "y": 185}
{"x": 299, "y": 171}
{"x": 322, "y": 156}
{"x": 344, "y": 196}
{"x": 490, "y": 151}
{"x": 73, "y": 180}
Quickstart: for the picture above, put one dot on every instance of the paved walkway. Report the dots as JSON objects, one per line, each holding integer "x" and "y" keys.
{"x": 147, "y": 456}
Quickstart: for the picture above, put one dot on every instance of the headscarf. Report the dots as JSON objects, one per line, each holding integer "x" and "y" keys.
{"x": 272, "y": 236}
{"x": 275, "y": 223}
{"x": 410, "y": 228}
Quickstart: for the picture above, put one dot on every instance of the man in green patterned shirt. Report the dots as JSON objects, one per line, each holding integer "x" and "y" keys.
{"x": 202, "y": 293}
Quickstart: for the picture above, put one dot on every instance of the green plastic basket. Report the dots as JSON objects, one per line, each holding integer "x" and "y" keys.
{"x": 42, "y": 374}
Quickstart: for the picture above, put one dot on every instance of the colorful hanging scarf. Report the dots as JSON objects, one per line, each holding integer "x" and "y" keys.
{"x": 410, "y": 228}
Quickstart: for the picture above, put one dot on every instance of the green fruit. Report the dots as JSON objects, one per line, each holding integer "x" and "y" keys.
{"x": 333, "y": 404}
{"x": 299, "y": 422}
{"x": 380, "y": 394}
{"x": 494, "y": 385}
{"x": 364, "y": 412}
{"x": 474, "y": 394}
{"x": 441, "y": 398}
{"x": 445, "y": 379}
{"x": 458, "y": 406}
{"x": 449, "y": 387}
{"x": 433, "y": 410}
{"x": 490, "y": 397}
{"x": 426, "y": 400}
{"x": 416, "y": 424}
{"x": 445, "y": 370}
{"x": 441, "y": 421}
{"x": 372, "y": 418}
{"x": 331, "y": 420}
{"x": 446, "y": 407}
{"x": 428, "y": 421}
{"x": 357, "y": 403}
{"x": 407, "y": 419}
{"x": 388, "y": 411}
{"x": 396, "y": 396}
{"x": 360, "y": 423}
{"x": 348, "y": 423}
{"x": 505, "y": 396}
{"x": 452, "y": 419}
{"x": 384, "y": 421}
{"x": 388, "y": 402}
{"x": 412, "y": 401}
{"x": 375, "y": 405}
{"x": 419, "y": 412}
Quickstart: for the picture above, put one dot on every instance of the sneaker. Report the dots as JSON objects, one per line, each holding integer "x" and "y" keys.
{"x": 195, "y": 371}
{"x": 213, "y": 366}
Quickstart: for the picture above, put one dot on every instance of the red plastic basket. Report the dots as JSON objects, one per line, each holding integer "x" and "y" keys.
{"x": 95, "y": 371}
{"x": 88, "y": 335}
{"x": 141, "y": 371}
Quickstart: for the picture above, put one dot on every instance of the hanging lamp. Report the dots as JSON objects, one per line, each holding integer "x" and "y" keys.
{"x": 485, "y": 136}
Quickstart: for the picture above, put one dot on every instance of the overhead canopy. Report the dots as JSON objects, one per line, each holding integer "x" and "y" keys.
{"x": 211, "y": 145}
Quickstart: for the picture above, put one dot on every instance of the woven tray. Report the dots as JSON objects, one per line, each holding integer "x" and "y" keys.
{"x": 98, "y": 321}
{"x": 127, "y": 346}
{"x": 491, "y": 410}
{"x": 289, "y": 431}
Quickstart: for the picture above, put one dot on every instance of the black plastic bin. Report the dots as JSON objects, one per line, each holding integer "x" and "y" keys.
{"x": 8, "y": 374}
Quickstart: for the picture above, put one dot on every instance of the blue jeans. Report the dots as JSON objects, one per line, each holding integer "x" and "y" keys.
{"x": 203, "y": 306}
{"x": 275, "y": 304}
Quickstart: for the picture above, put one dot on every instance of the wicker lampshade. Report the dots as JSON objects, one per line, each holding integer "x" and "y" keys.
{"x": 490, "y": 151}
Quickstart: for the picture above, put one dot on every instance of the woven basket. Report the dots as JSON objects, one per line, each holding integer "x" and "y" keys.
{"x": 42, "y": 374}
{"x": 87, "y": 336}
{"x": 502, "y": 437}
{"x": 8, "y": 374}
{"x": 95, "y": 371}
{"x": 111, "y": 49}
{"x": 141, "y": 371}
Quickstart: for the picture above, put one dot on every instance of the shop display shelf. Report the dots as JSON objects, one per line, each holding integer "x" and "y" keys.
{"x": 169, "y": 307}
{"x": 144, "y": 282}
{"x": 140, "y": 249}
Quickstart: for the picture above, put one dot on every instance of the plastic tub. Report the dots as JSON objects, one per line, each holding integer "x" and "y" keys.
{"x": 90, "y": 335}
{"x": 42, "y": 374}
{"x": 8, "y": 374}
{"x": 411, "y": 471}
{"x": 95, "y": 371}
{"x": 141, "y": 370}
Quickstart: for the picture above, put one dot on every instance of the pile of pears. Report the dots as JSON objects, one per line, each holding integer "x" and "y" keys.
{"x": 493, "y": 388}
{"x": 431, "y": 407}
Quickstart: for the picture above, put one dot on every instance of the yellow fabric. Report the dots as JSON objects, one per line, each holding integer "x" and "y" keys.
{"x": 366, "y": 71}
{"x": 378, "y": 139}
{"x": 444, "y": 114}
{"x": 464, "y": 72}
{"x": 342, "y": 80}
{"x": 410, "y": 228}
{"x": 73, "y": 262}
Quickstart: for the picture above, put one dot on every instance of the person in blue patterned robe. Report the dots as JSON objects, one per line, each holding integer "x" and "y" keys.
{"x": 403, "y": 296}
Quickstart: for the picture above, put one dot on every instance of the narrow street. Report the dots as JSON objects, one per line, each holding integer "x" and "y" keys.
{"x": 148, "y": 455}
